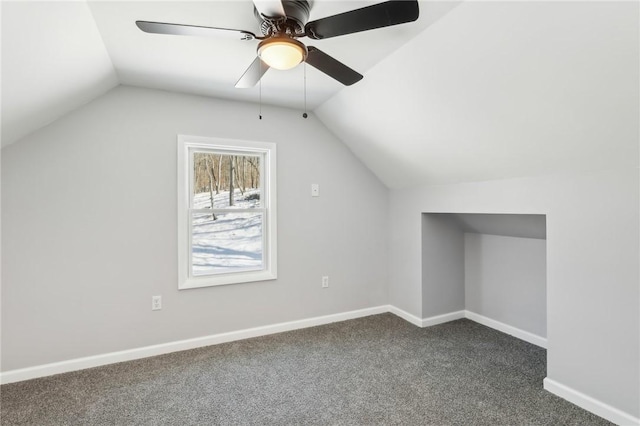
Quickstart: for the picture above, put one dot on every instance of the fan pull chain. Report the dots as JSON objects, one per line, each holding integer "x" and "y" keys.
{"x": 304, "y": 114}
{"x": 260, "y": 103}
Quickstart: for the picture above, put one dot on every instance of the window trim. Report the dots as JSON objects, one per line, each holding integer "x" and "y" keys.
{"x": 268, "y": 199}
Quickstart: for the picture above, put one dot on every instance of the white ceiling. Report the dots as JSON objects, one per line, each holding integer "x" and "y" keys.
{"x": 500, "y": 89}
{"x": 208, "y": 66}
{"x": 472, "y": 91}
{"x": 75, "y": 51}
{"x": 53, "y": 61}
{"x": 508, "y": 225}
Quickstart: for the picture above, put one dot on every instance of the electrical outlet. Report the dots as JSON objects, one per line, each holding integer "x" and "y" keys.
{"x": 325, "y": 282}
{"x": 156, "y": 303}
{"x": 315, "y": 190}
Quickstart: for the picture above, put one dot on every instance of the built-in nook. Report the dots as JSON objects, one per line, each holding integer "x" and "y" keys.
{"x": 490, "y": 267}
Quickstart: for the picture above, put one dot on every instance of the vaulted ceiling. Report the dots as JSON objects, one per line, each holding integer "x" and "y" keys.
{"x": 471, "y": 91}
{"x": 498, "y": 90}
{"x": 53, "y": 61}
{"x": 74, "y": 51}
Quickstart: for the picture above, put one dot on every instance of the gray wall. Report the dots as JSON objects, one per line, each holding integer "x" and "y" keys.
{"x": 501, "y": 276}
{"x": 89, "y": 221}
{"x": 593, "y": 314}
{"x": 443, "y": 260}
{"x": 505, "y": 280}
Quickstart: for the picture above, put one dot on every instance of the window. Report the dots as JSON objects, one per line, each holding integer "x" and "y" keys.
{"x": 226, "y": 211}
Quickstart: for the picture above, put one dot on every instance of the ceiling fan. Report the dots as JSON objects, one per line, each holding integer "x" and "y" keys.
{"x": 282, "y": 22}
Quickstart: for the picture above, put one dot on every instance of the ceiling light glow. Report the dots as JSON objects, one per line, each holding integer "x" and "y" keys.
{"x": 282, "y": 53}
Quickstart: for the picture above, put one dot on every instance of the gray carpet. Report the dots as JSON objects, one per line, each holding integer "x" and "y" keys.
{"x": 374, "y": 370}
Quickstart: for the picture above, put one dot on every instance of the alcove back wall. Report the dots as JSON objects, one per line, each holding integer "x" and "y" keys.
{"x": 492, "y": 265}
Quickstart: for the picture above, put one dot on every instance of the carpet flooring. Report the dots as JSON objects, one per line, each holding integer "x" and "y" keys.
{"x": 368, "y": 371}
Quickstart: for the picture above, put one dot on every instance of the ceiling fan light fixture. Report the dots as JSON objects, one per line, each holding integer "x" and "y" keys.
{"x": 282, "y": 53}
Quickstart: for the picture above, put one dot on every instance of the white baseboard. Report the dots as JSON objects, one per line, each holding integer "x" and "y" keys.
{"x": 426, "y": 322}
{"x": 590, "y": 404}
{"x": 441, "y": 319}
{"x": 406, "y": 316}
{"x": 214, "y": 339}
{"x": 507, "y": 329}
{"x": 180, "y": 345}
{"x": 573, "y": 396}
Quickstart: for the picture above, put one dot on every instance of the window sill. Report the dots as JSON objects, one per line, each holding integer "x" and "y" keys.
{"x": 226, "y": 279}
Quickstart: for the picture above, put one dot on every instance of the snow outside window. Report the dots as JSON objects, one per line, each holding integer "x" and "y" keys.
{"x": 226, "y": 211}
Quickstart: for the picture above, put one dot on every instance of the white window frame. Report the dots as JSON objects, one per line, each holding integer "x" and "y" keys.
{"x": 188, "y": 144}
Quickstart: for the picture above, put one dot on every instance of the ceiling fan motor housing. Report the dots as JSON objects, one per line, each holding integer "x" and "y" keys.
{"x": 297, "y": 15}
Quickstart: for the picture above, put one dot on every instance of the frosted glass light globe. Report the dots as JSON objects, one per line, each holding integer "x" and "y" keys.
{"x": 282, "y": 53}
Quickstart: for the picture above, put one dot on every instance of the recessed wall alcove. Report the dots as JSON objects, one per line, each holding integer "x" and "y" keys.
{"x": 491, "y": 266}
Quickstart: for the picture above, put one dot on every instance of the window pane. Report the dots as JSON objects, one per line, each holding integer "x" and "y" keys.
{"x": 231, "y": 242}
{"x": 217, "y": 176}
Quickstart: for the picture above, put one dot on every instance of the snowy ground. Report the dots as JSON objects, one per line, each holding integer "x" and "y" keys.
{"x": 231, "y": 243}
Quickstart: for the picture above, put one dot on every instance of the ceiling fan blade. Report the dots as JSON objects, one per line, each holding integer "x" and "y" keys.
{"x": 367, "y": 18}
{"x": 332, "y": 67}
{"x": 253, "y": 74}
{"x": 270, "y": 8}
{"x": 193, "y": 30}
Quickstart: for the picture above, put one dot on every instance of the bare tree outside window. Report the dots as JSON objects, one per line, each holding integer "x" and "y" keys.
{"x": 227, "y": 223}
{"x": 236, "y": 176}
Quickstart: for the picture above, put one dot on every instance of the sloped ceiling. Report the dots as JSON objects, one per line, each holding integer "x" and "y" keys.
{"x": 211, "y": 66}
{"x": 472, "y": 91}
{"x": 500, "y": 89}
{"x": 53, "y": 61}
{"x": 58, "y": 55}
{"x": 508, "y": 225}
